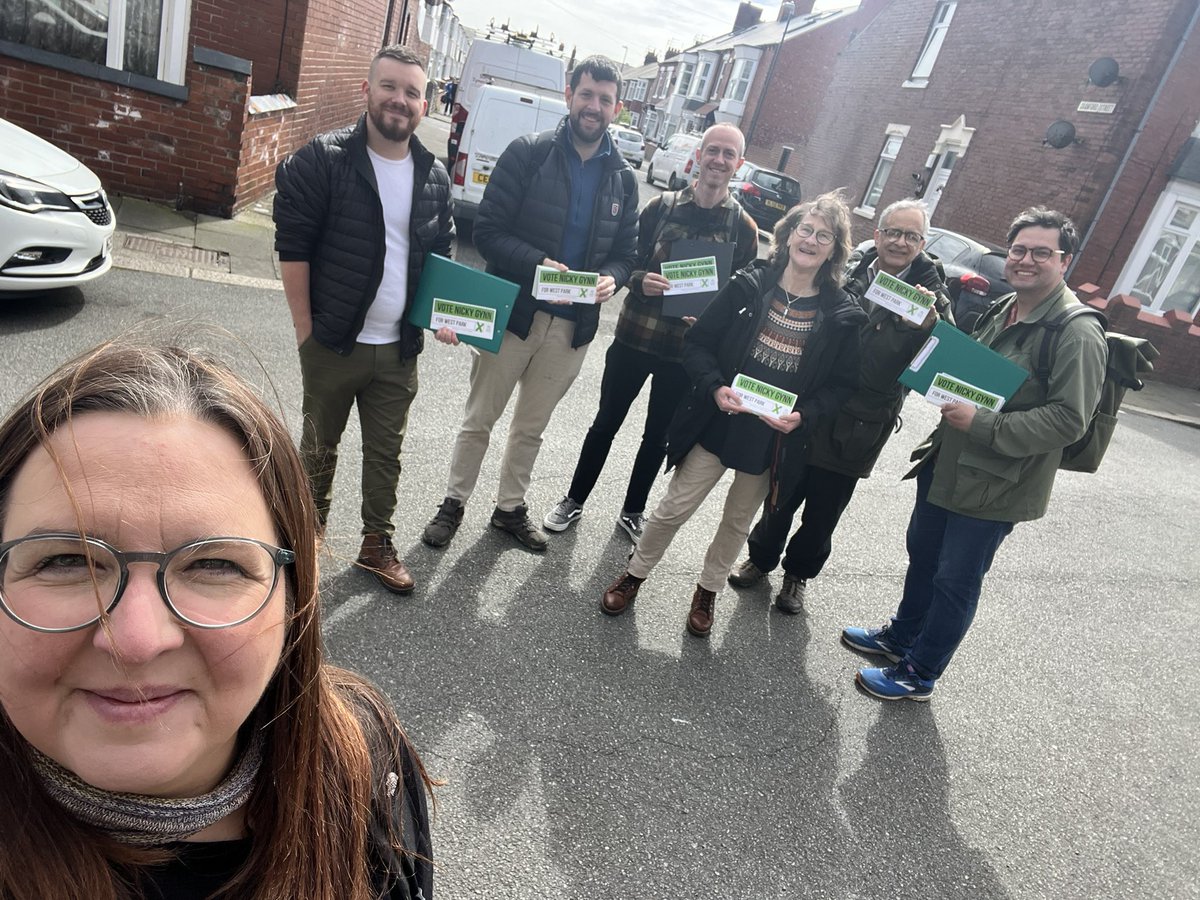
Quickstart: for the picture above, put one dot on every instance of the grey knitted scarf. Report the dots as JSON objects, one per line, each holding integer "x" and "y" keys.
{"x": 146, "y": 821}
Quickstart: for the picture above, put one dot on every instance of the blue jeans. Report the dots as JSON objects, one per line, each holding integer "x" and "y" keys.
{"x": 948, "y": 555}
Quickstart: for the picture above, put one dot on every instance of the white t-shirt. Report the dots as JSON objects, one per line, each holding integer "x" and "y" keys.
{"x": 395, "y": 180}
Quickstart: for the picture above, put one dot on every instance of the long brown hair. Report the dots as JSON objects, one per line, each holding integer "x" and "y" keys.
{"x": 310, "y": 810}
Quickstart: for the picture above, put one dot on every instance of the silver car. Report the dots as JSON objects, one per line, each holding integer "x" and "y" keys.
{"x": 629, "y": 143}
{"x": 56, "y": 225}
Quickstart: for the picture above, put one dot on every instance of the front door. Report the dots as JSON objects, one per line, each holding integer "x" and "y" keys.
{"x": 937, "y": 181}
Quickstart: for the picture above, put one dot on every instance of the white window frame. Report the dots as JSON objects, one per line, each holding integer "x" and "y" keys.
{"x": 893, "y": 140}
{"x": 704, "y": 71}
{"x": 740, "y": 79}
{"x": 172, "y": 39}
{"x": 943, "y": 13}
{"x": 1176, "y": 192}
{"x": 687, "y": 74}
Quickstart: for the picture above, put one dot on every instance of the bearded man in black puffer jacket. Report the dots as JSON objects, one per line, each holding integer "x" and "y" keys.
{"x": 356, "y": 213}
{"x": 567, "y": 200}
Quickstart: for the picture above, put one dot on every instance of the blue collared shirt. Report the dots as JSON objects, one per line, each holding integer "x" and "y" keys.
{"x": 585, "y": 181}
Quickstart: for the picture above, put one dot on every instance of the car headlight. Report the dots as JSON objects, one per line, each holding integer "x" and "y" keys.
{"x": 31, "y": 196}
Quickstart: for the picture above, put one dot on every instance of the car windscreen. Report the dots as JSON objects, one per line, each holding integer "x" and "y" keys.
{"x": 778, "y": 183}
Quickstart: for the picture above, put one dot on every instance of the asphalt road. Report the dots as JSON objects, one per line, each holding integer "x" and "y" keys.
{"x": 592, "y": 758}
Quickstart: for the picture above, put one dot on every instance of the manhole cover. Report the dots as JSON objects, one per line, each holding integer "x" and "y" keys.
{"x": 170, "y": 250}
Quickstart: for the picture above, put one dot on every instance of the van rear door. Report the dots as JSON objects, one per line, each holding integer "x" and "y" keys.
{"x": 499, "y": 117}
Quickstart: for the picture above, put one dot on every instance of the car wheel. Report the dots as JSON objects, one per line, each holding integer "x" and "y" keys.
{"x": 638, "y": 164}
{"x": 650, "y": 174}
{"x": 672, "y": 184}
{"x": 464, "y": 228}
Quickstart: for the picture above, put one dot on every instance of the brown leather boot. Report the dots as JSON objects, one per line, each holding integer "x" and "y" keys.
{"x": 700, "y": 618}
{"x": 378, "y": 557}
{"x": 620, "y": 594}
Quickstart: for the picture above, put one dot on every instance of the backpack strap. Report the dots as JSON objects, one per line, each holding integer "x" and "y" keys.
{"x": 1048, "y": 349}
{"x": 666, "y": 206}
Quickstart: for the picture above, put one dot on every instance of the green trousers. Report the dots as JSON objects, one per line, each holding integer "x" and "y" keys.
{"x": 383, "y": 386}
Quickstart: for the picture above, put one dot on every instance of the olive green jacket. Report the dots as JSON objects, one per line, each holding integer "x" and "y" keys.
{"x": 1002, "y": 468}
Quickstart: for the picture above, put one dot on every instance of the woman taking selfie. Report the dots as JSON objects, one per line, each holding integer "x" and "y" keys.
{"x": 785, "y": 323}
{"x": 169, "y": 727}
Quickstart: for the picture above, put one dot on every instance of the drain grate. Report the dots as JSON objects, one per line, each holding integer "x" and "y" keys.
{"x": 214, "y": 259}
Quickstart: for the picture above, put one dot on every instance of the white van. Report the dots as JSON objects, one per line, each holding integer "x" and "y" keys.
{"x": 499, "y": 116}
{"x": 674, "y": 161}
{"x": 494, "y": 63}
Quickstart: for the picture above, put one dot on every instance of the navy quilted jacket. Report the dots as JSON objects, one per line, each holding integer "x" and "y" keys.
{"x": 524, "y": 210}
{"x": 328, "y": 214}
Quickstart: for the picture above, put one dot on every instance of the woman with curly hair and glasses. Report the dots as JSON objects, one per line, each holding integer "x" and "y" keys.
{"x": 168, "y": 725}
{"x": 785, "y": 324}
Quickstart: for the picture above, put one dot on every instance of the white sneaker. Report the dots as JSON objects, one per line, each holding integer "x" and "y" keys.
{"x": 563, "y": 516}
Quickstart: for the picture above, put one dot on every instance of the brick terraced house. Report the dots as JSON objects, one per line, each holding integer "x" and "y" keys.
{"x": 192, "y": 102}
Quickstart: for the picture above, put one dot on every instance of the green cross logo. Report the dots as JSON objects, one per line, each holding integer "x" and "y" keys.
{"x": 776, "y": 410}
{"x": 705, "y": 281}
{"x": 583, "y": 292}
{"x": 479, "y": 327}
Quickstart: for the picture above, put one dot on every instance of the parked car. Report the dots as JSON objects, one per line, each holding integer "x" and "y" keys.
{"x": 673, "y": 161}
{"x": 764, "y": 193}
{"x": 629, "y": 143}
{"x": 974, "y": 273}
{"x": 56, "y": 225}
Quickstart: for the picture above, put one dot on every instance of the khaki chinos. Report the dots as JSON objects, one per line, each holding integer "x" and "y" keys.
{"x": 383, "y": 386}
{"x": 545, "y": 366}
{"x": 694, "y": 480}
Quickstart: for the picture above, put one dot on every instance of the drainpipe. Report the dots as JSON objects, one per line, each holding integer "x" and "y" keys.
{"x": 1187, "y": 32}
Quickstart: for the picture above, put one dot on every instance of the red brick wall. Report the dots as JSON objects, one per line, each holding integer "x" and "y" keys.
{"x": 140, "y": 144}
{"x": 1175, "y": 335}
{"x": 1145, "y": 175}
{"x": 792, "y": 102}
{"x": 270, "y": 35}
{"x": 1011, "y": 69}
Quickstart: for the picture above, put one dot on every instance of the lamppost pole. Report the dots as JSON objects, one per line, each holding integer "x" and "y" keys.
{"x": 767, "y": 80}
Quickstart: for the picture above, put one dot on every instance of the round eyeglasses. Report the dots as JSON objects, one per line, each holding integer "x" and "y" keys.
{"x": 1040, "y": 254}
{"x": 824, "y": 238}
{"x": 63, "y": 582}
{"x": 911, "y": 238}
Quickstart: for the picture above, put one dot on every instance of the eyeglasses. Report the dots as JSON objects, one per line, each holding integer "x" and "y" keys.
{"x": 56, "y": 583}
{"x": 824, "y": 238}
{"x": 896, "y": 234}
{"x": 1040, "y": 254}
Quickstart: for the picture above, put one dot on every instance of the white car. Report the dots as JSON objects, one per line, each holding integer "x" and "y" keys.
{"x": 673, "y": 161}
{"x": 56, "y": 225}
{"x": 629, "y": 143}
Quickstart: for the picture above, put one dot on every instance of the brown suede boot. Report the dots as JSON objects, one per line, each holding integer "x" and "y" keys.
{"x": 700, "y": 618}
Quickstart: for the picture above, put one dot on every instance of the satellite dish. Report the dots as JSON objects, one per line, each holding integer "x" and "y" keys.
{"x": 1104, "y": 71}
{"x": 1060, "y": 134}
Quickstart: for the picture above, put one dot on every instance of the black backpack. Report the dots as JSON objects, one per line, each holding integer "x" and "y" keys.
{"x": 1127, "y": 358}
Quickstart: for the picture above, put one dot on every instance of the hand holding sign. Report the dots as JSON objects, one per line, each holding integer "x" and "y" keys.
{"x": 959, "y": 415}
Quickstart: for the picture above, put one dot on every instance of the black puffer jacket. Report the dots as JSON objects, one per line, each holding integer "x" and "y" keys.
{"x": 716, "y": 348}
{"x": 328, "y": 214}
{"x": 524, "y": 212}
{"x": 851, "y": 441}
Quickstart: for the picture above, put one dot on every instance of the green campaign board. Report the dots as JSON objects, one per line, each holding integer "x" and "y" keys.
{"x": 474, "y": 304}
{"x": 953, "y": 366}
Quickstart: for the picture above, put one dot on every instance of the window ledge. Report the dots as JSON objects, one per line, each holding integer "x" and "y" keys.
{"x": 865, "y": 212}
{"x": 93, "y": 70}
{"x": 916, "y": 83}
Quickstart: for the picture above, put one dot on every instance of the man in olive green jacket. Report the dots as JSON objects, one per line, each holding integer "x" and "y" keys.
{"x": 983, "y": 471}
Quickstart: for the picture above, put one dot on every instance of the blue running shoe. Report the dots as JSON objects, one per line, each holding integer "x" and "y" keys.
{"x": 900, "y": 682}
{"x": 872, "y": 640}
